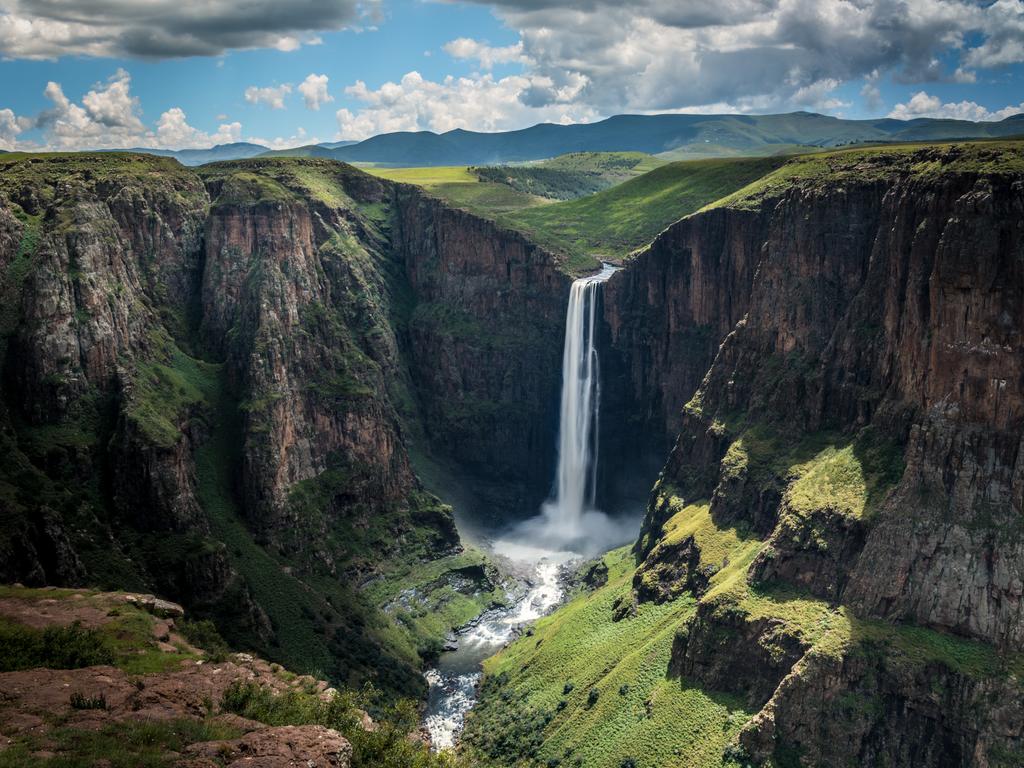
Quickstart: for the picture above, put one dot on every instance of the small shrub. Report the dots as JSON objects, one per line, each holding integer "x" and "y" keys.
{"x": 592, "y": 697}
{"x": 627, "y": 762}
{"x": 81, "y": 701}
{"x": 567, "y": 689}
{"x": 624, "y": 689}
{"x": 203, "y": 634}
{"x": 70, "y": 647}
{"x": 388, "y": 746}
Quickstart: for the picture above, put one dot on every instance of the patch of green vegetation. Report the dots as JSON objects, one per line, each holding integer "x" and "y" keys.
{"x": 614, "y": 223}
{"x": 570, "y": 176}
{"x": 203, "y": 634}
{"x": 427, "y": 599}
{"x": 486, "y": 199}
{"x": 911, "y": 647}
{"x": 850, "y": 476}
{"x": 707, "y": 150}
{"x": 167, "y": 388}
{"x": 334, "y": 184}
{"x": 69, "y": 647}
{"x": 387, "y": 746}
{"x": 122, "y": 744}
{"x": 129, "y": 635}
{"x": 880, "y": 163}
{"x": 537, "y": 691}
{"x": 46, "y": 169}
{"x": 625, "y": 163}
{"x": 426, "y": 177}
{"x": 81, "y": 701}
{"x": 243, "y": 187}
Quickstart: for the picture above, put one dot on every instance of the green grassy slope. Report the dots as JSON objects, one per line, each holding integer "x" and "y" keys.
{"x": 880, "y": 162}
{"x": 538, "y": 702}
{"x": 462, "y": 188}
{"x": 613, "y": 223}
{"x": 571, "y": 176}
{"x": 605, "y": 162}
{"x": 585, "y": 689}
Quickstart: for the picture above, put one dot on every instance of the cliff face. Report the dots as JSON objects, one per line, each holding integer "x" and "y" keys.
{"x": 200, "y": 378}
{"x": 485, "y": 344}
{"x": 862, "y": 422}
{"x": 92, "y": 256}
{"x": 667, "y": 314}
{"x": 311, "y": 353}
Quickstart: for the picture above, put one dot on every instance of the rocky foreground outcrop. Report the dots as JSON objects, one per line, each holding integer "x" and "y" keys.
{"x": 860, "y": 320}
{"x": 50, "y": 714}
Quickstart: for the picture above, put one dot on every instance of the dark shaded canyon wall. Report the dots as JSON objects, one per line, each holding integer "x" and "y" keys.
{"x": 294, "y": 296}
{"x": 132, "y": 461}
{"x": 89, "y": 259}
{"x": 666, "y": 315}
{"x": 485, "y": 345}
{"x": 883, "y": 306}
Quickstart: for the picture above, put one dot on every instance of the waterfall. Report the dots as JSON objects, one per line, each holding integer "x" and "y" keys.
{"x": 576, "y": 475}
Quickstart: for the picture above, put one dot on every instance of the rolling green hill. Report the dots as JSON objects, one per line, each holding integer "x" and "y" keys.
{"x": 462, "y": 188}
{"x": 607, "y": 225}
{"x": 617, "y": 221}
{"x": 570, "y": 176}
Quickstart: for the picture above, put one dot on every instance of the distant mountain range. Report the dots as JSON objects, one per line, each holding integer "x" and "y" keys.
{"x": 671, "y": 136}
{"x": 239, "y": 150}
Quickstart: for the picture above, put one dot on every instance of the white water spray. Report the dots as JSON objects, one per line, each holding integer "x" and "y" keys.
{"x": 568, "y": 521}
{"x": 576, "y": 476}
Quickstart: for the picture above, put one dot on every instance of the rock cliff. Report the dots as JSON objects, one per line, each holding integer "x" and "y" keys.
{"x": 208, "y": 379}
{"x": 860, "y": 419}
{"x": 485, "y": 345}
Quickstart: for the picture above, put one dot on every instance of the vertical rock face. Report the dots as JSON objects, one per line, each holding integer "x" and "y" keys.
{"x": 95, "y": 252}
{"x": 485, "y": 343}
{"x": 293, "y": 296}
{"x": 863, "y": 417}
{"x": 668, "y": 312}
{"x": 134, "y": 461}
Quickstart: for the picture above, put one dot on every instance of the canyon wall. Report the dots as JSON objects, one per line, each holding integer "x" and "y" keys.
{"x": 205, "y": 383}
{"x": 862, "y": 420}
{"x": 485, "y": 346}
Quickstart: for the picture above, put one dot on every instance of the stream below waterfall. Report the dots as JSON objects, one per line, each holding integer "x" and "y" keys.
{"x": 453, "y": 679}
{"x": 568, "y": 524}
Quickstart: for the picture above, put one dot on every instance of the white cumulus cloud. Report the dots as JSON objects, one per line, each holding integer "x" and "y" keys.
{"x": 662, "y": 55}
{"x": 467, "y": 48}
{"x": 481, "y": 103}
{"x": 314, "y": 91}
{"x": 174, "y": 132}
{"x": 922, "y": 104}
{"x": 270, "y": 95}
{"x": 108, "y": 117}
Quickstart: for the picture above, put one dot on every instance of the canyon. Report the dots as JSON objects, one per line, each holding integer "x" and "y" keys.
{"x": 245, "y": 387}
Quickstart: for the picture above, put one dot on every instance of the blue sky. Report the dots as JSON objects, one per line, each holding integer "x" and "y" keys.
{"x": 188, "y": 73}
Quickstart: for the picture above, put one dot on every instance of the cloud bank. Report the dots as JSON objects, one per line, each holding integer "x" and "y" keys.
{"x": 160, "y": 29}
